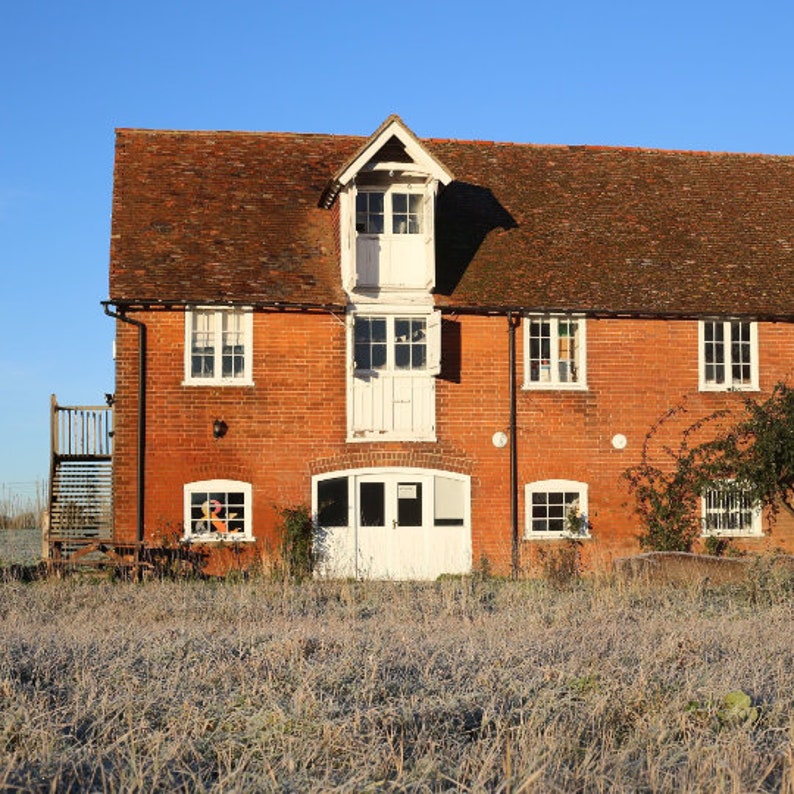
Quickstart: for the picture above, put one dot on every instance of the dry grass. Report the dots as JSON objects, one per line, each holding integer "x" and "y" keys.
{"x": 458, "y": 685}
{"x": 22, "y": 506}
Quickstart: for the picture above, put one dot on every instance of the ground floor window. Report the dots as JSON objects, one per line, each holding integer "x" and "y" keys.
{"x": 728, "y": 510}
{"x": 556, "y": 509}
{"x": 217, "y": 510}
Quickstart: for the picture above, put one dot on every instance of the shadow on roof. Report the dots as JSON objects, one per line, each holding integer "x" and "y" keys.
{"x": 465, "y": 214}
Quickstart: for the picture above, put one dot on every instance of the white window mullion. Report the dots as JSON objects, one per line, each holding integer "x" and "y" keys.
{"x": 728, "y": 355}
{"x": 214, "y": 338}
{"x": 544, "y": 336}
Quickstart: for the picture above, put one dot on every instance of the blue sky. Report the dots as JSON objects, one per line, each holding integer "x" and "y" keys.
{"x": 673, "y": 75}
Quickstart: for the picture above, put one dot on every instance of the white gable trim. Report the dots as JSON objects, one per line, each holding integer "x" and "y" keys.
{"x": 423, "y": 161}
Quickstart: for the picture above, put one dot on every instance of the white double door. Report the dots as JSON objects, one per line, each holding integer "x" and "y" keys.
{"x": 394, "y": 527}
{"x": 409, "y": 524}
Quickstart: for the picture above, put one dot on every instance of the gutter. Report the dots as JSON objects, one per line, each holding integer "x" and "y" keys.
{"x": 141, "y": 468}
{"x": 503, "y": 310}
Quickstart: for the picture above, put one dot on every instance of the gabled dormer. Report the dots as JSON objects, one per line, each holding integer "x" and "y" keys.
{"x": 386, "y": 195}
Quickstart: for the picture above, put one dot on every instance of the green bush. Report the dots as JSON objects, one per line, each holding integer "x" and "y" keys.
{"x": 296, "y": 532}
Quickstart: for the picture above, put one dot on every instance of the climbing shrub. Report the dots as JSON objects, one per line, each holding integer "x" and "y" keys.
{"x": 667, "y": 484}
{"x": 756, "y": 453}
{"x": 296, "y": 530}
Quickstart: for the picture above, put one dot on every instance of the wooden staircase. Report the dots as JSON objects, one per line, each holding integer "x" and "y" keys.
{"x": 80, "y": 517}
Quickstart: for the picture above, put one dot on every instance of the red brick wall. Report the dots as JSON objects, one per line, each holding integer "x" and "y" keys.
{"x": 292, "y": 422}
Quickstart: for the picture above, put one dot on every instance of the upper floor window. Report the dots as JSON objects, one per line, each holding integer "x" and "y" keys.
{"x": 218, "y": 346}
{"x": 217, "y": 510}
{"x": 728, "y": 355}
{"x": 556, "y": 509}
{"x": 392, "y": 358}
{"x": 390, "y": 343}
{"x": 554, "y": 352}
{"x": 389, "y": 212}
{"x": 728, "y": 510}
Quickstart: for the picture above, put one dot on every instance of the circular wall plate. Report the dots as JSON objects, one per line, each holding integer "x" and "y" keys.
{"x": 499, "y": 439}
{"x": 619, "y": 441}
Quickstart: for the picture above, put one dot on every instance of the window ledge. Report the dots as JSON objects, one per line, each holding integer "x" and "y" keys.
{"x": 222, "y": 383}
{"x": 728, "y": 533}
{"x": 373, "y": 436}
{"x": 723, "y": 389}
{"x": 556, "y": 536}
{"x": 218, "y": 541}
{"x": 554, "y": 387}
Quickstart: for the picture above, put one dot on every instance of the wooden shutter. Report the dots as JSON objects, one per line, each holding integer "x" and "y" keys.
{"x": 434, "y": 343}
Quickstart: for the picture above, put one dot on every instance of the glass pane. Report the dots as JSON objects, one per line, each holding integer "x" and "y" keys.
{"x": 379, "y": 329}
{"x": 363, "y": 356}
{"x": 714, "y": 352}
{"x": 332, "y": 502}
{"x": 449, "y": 508}
{"x": 740, "y": 353}
{"x": 402, "y": 356}
{"x": 202, "y": 353}
{"x": 540, "y": 351}
{"x": 410, "y": 350}
{"x": 370, "y": 343}
{"x": 409, "y": 504}
{"x": 372, "y": 504}
{"x": 407, "y": 211}
{"x": 233, "y": 350}
{"x": 378, "y": 356}
{"x": 551, "y": 510}
{"x": 217, "y": 513}
{"x": 369, "y": 213}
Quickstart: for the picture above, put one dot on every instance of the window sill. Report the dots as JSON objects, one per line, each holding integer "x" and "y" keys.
{"x": 218, "y": 541}
{"x": 219, "y": 383}
{"x": 554, "y": 387}
{"x": 722, "y": 389}
{"x": 734, "y": 533}
{"x": 556, "y": 536}
{"x": 373, "y": 436}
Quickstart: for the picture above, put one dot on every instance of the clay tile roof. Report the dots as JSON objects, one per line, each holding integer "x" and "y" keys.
{"x": 233, "y": 216}
{"x": 225, "y": 216}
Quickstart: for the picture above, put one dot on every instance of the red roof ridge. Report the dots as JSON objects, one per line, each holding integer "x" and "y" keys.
{"x": 605, "y": 148}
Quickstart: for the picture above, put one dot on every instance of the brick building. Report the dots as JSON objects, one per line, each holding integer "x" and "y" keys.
{"x": 449, "y": 349}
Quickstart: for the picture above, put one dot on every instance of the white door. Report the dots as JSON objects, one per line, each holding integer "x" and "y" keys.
{"x": 392, "y": 514}
{"x": 392, "y": 524}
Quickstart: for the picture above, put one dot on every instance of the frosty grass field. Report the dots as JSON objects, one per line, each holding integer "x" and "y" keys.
{"x": 473, "y": 684}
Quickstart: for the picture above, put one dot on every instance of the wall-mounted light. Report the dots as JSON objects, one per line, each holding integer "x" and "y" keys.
{"x": 110, "y": 399}
{"x": 219, "y": 428}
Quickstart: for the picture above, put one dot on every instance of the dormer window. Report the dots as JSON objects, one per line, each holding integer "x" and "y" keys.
{"x": 370, "y": 207}
{"x": 387, "y": 194}
{"x": 399, "y": 212}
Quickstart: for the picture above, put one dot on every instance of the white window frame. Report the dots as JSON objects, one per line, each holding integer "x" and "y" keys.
{"x": 554, "y": 382}
{"x": 391, "y": 314}
{"x": 217, "y": 486}
{"x": 388, "y": 192}
{"x": 381, "y": 424}
{"x": 217, "y": 379}
{"x": 557, "y": 486}
{"x": 725, "y": 493}
{"x": 729, "y": 384}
